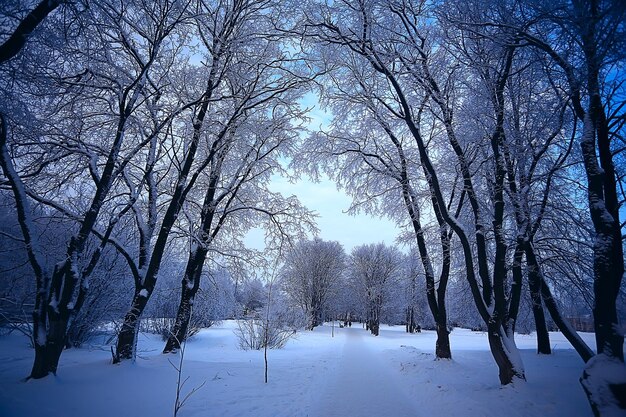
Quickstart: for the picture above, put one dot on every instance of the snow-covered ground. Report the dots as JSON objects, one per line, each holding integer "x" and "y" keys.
{"x": 315, "y": 375}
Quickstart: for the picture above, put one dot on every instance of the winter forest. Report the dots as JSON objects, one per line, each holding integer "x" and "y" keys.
{"x": 140, "y": 146}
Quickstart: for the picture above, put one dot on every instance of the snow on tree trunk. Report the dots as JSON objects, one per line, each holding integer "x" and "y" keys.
{"x": 189, "y": 288}
{"x": 604, "y": 382}
{"x": 505, "y": 353}
{"x": 126, "y": 338}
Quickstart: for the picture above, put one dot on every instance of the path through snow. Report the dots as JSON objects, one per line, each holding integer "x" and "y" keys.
{"x": 361, "y": 386}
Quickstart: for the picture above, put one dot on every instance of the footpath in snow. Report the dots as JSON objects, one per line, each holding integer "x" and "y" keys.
{"x": 361, "y": 386}
{"x": 352, "y": 374}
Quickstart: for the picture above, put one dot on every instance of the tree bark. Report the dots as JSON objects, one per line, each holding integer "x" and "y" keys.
{"x": 442, "y": 345}
{"x": 181, "y": 324}
{"x": 508, "y": 370}
{"x": 534, "y": 285}
{"x": 570, "y": 334}
{"x": 126, "y": 337}
{"x": 189, "y": 288}
{"x": 410, "y": 319}
{"x": 40, "y": 368}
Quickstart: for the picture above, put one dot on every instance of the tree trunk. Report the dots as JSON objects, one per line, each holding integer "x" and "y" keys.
{"x": 410, "y": 319}
{"x": 49, "y": 333}
{"x": 374, "y": 327}
{"x": 568, "y": 331}
{"x": 442, "y": 345}
{"x": 189, "y": 287}
{"x": 40, "y": 369}
{"x": 315, "y": 318}
{"x": 503, "y": 351}
{"x": 570, "y": 334}
{"x": 605, "y": 394}
{"x": 127, "y": 334}
{"x": 181, "y": 324}
{"x": 534, "y": 285}
{"x": 373, "y": 322}
{"x": 57, "y": 330}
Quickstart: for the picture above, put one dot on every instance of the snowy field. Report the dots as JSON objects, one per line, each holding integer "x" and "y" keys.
{"x": 315, "y": 375}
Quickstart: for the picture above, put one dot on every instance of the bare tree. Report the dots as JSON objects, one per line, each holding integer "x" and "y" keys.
{"x": 374, "y": 269}
{"x": 584, "y": 40}
{"x": 214, "y": 114}
{"x": 310, "y": 276}
{"x": 368, "y": 38}
{"x": 106, "y": 94}
{"x": 244, "y": 154}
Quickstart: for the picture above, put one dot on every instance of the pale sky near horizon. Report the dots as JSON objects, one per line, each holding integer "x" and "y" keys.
{"x": 329, "y": 203}
{"x": 333, "y": 223}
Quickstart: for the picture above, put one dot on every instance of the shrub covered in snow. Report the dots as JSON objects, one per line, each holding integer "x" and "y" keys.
{"x": 275, "y": 329}
{"x": 255, "y": 334}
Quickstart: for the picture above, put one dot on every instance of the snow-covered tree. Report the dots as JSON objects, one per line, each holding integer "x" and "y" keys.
{"x": 374, "y": 272}
{"x": 310, "y": 276}
{"x": 73, "y": 124}
{"x": 260, "y": 126}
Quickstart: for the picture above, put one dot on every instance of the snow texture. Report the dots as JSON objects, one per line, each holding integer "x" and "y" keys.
{"x": 315, "y": 375}
{"x": 602, "y": 372}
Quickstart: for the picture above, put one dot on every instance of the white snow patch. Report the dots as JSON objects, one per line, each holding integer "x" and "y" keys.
{"x": 351, "y": 374}
{"x": 601, "y": 372}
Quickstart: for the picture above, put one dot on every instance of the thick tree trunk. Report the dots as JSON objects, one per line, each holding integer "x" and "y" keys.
{"x": 189, "y": 287}
{"x": 606, "y": 394}
{"x": 442, "y": 345}
{"x": 505, "y": 354}
{"x": 181, "y": 324}
{"x": 374, "y": 326}
{"x": 315, "y": 317}
{"x": 534, "y": 285}
{"x": 40, "y": 369}
{"x": 373, "y": 322}
{"x": 57, "y": 330}
{"x": 127, "y": 335}
{"x": 50, "y": 335}
{"x": 603, "y": 201}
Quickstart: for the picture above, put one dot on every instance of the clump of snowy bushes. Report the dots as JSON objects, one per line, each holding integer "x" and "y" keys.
{"x": 256, "y": 334}
{"x": 271, "y": 330}
{"x": 215, "y": 301}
